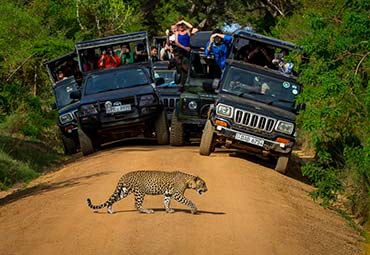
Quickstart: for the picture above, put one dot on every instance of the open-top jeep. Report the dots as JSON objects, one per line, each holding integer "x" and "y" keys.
{"x": 119, "y": 102}
{"x": 255, "y": 108}
{"x": 65, "y": 106}
{"x": 192, "y": 107}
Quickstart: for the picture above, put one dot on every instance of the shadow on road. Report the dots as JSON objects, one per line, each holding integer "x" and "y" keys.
{"x": 294, "y": 165}
{"x": 45, "y": 187}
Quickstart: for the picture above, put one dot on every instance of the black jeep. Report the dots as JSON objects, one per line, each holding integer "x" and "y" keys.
{"x": 255, "y": 109}
{"x": 65, "y": 106}
{"x": 119, "y": 102}
{"x": 191, "y": 110}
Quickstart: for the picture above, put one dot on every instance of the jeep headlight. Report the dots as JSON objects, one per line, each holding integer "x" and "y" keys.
{"x": 284, "y": 127}
{"x": 146, "y": 100}
{"x": 67, "y": 117}
{"x": 192, "y": 105}
{"x": 88, "y": 109}
{"x": 224, "y": 110}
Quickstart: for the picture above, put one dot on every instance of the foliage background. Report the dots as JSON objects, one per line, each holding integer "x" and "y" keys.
{"x": 334, "y": 33}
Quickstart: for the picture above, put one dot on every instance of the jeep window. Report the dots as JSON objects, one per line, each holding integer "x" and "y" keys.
{"x": 125, "y": 78}
{"x": 203, "y": 68}
{"x": 167, "y": 75}
{"x": 267, "y": 89}
{"x": 62, "y": 94}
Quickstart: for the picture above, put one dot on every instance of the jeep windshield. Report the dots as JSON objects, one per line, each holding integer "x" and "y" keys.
{"x": 271, "y": 90}
{"x": 167, "y": 75}
{"x": 108, "y": 81}
{"x": 202, "y": 69}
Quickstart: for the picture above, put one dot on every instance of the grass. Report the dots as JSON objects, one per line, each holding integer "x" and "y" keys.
{"x": 23, "y": 160}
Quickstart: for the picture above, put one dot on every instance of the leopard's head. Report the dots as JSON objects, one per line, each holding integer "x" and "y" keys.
{"x": 198, "y": 184}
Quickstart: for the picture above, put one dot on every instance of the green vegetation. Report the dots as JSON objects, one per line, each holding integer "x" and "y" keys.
{"x": 22, "y": 160}
{"x": 335, "y": 34}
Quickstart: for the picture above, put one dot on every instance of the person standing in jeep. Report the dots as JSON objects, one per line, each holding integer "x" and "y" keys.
{"x": 219, "y": 45}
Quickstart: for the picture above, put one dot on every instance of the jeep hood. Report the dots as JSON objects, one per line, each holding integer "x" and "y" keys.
{"x": 257, "y": 107}
{"x": 117, "y": 94}
{"x": 69, "y": 108}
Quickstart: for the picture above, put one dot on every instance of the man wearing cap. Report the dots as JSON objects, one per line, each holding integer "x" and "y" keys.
{"x": 218, "y": 45}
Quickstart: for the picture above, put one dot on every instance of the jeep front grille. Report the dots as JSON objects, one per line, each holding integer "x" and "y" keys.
{"x": 75, "y": 114}
{"x": 254, "y": 120}
{"x": 170, "y": 102}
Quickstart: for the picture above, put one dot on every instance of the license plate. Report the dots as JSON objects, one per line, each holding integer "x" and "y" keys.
{"x": 249, "y": 139}
{"x": 119, "y": 108}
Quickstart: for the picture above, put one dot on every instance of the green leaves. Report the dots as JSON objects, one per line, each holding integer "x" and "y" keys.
{"x": 336, "y": 90}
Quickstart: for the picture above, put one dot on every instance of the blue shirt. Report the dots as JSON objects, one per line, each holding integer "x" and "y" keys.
{"x": 220, "y": 51}
{"x": 185, "y": 41}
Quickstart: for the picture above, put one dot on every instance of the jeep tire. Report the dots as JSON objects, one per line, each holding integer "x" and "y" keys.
{"x": 161, "y": 128}
{"x": 177, "y": 135}
{"x": 86, "y": 144}
{"x": 282, "y": 164}
{"x": 207, "y": 142}
{"x": 68, "y": 144}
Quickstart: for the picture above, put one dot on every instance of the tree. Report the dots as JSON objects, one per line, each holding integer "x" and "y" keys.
{"x": 335, "y": 34}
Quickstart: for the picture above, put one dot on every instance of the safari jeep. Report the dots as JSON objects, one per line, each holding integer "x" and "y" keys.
{"x": 191, "y": 110}
{"x": 119, "y": 102}
{"x": 65, "y": 106}
{"x": 255, "y": 108}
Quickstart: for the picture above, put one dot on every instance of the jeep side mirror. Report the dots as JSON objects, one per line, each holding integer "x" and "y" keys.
{"x": 159, "y": 81}
{"x": 75, "y": 95}
{"x": 216, "y": 84}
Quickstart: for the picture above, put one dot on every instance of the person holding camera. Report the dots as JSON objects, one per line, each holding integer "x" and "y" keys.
{"x": 171, "y": 35}
{"x": 108, "y": 59}
{"x": 218, "y": 45}
{"x": 126, "y": 56}
{"x": 166, "y": 53}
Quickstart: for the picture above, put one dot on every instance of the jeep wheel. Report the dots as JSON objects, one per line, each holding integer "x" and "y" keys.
{"x": 161, "y": 129}
{"x": 86, "y": 144}
{"x": 68, "y": 144}
{"x": 282, "y": 164}
{"x": 207, "y": 144}
{"x": 177, "y": 135}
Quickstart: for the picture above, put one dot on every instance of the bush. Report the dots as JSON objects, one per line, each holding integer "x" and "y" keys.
{"x": 13, "y": 171}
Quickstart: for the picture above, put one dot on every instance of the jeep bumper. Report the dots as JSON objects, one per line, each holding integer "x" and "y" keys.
{"x": 251, "y": 142}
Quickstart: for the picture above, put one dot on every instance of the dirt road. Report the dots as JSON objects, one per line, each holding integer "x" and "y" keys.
{"x": 248, "y": 209}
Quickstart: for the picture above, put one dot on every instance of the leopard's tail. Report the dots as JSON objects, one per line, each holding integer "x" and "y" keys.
{"x": 113, "y": 198}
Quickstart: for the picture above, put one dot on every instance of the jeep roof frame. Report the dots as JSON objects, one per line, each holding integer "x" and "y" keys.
{"x": 266, "y": 40}
{"x": 112, "y": 40}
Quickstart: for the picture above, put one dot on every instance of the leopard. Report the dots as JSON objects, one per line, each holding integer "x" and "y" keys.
{"x": 154, "y": 182}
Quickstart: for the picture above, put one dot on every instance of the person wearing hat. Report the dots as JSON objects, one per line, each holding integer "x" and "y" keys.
{"x": 219, "y": 45}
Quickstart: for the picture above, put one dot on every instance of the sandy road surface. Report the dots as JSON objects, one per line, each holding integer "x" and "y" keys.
{"x": 248, "y": 209}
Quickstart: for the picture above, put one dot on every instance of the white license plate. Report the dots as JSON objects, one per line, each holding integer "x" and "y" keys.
{"x": 119, "y": 108}
{"x": 249, "y": 139}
